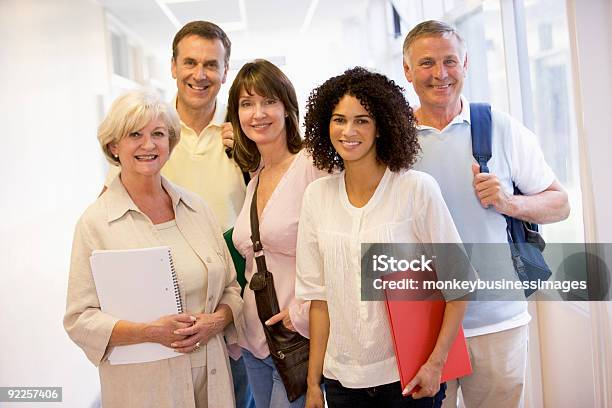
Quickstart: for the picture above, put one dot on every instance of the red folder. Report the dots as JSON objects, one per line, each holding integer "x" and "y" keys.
{"x": 415, "y": 325}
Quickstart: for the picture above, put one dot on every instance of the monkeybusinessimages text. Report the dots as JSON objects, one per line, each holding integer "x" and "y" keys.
{"x": 389, "y": 264}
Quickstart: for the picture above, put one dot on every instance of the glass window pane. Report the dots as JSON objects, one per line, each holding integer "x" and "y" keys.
{"x": 119, "y": 52}
{"x": 554, "y": 121}
{"x": 486, "y": 79}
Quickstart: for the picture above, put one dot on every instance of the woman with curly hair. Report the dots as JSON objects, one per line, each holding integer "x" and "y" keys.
{"x": 263, "y": 110}
{"x": 360, "y": 123}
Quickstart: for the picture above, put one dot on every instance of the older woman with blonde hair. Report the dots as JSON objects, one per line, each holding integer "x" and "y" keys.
{"x": 142, "y": 209}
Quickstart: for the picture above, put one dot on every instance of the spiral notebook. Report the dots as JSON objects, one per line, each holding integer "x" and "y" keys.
{"x": 139, "y": 285}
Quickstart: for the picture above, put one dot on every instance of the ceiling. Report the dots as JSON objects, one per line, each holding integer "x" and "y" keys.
{"x": 155, "y": 22}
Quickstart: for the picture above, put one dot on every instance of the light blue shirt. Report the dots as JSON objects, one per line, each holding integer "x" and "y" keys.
{"x": 516, "y": 156}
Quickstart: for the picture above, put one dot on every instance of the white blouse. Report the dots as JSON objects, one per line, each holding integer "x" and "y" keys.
{"x": 408, "y": 207}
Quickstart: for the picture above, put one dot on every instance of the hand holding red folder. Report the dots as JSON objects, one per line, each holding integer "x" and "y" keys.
{"x": 425, "y": 383}
{"x": 415, "y": 325}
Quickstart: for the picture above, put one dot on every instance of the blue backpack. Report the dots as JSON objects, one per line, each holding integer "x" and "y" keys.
{"x": 526, "y": 243}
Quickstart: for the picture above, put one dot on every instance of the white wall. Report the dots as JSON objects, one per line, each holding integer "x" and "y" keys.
{"x": 592, "y": 36}
{"x": 53, "y": 68}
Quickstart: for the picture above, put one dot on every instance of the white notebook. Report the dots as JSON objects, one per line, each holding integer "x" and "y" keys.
{"x": 138, "y": 285}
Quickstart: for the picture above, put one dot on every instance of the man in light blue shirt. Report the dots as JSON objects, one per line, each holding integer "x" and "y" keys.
{"x": 435, "y": 62}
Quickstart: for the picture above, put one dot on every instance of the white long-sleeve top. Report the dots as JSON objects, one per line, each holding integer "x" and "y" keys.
{"x": 407, "y": 207}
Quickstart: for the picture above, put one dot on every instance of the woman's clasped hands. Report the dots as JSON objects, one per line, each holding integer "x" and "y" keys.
{"x": 184, "y": 332}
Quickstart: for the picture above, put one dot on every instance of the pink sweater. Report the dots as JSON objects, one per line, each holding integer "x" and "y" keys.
{"x": 278, "y": 226}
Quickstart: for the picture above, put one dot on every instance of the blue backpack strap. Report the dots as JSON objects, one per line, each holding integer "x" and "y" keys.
{"x": 526, "y": 245}
{"x": 482, "y": 129}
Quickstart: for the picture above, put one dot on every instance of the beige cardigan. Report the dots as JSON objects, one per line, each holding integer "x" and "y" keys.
{"x": 114, "y": 222}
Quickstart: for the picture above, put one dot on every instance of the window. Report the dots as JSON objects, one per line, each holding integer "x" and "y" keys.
{"x": 486, "y": 78}
{"x": 549, "y": 65}
{"x": 540, "y": 28}
{"x": 119, "y": 50}
{"x": 132, "y": 64}
{"x": 397, "y": 27}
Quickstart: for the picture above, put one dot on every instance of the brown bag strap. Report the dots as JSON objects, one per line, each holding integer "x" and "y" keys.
{"x": 260, "y": 259}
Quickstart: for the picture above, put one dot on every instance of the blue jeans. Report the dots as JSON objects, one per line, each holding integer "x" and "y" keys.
{"x": 242, "y": 391}
{"x": 266, "y": 385}
{"x": 387, "y": 395}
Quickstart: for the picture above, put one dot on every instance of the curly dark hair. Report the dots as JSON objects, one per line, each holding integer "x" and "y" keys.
{"x": 397, "y": 147}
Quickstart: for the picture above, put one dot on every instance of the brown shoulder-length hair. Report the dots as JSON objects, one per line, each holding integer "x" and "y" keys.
{"x": 396, "y": 145}
{"x": 265, "y": 79}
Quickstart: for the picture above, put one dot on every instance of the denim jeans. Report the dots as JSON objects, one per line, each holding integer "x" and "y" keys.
{"x": 266, "y": 385}
{"x": 242, "y": 390}
{"x": 387, "y": 395}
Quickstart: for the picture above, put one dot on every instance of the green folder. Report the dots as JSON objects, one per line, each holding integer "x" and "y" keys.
{"x": 239, "y": 263}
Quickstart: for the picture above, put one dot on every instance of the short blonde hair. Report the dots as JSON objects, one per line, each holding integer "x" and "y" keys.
{"x": 132, "y": 111}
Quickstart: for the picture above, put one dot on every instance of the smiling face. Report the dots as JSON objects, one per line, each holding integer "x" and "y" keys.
{"x": 143, "y": 152}
{"x": 352, "y": 131}
{"x": 199, "y": 69}
{"x": 436, "y": 67}
{"x": 262, "y": 118}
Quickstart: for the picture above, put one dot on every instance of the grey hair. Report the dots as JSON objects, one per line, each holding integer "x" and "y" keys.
{"x": 433, "y": 28}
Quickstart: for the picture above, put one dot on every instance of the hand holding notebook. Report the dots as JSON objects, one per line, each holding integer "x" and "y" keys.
{"x": 164, "y": 329}
{"x": 138, "y": 285}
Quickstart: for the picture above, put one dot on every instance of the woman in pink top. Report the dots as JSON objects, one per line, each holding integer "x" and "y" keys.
{"x": 263, "y": 110}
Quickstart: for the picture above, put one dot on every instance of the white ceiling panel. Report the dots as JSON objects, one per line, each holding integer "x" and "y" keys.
{"x": 276, "y": 13}
{"x": 218, "y": 11}
{"x": 259, "y": 22}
